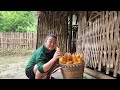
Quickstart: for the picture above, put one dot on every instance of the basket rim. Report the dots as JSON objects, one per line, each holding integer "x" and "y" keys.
{"x": 72, "y": 65}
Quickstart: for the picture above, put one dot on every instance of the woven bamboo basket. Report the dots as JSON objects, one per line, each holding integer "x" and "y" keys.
{"x": 72, "y": 71}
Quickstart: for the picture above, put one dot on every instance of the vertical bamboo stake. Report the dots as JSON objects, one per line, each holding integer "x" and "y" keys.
{"x": 119, "y": 42}
{"x": 111, "y": 40}
{"x": 108, "y": 45}
{"x": 118, "y": 47}
{"x": 117, "y": 63}
{"x": 100, "y": 63}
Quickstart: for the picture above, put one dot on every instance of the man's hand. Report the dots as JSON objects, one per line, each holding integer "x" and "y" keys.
{"x": 57, "y": 55}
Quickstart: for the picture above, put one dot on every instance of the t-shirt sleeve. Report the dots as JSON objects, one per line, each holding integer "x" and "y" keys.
{"x": 40, "y": 59}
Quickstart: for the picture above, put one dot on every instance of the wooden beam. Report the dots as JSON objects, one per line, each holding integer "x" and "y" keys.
{"x": 97, "y": 75}
{"x": 93, "y": 17}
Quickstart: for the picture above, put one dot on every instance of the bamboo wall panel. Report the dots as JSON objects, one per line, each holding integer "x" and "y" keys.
{"x": 99, "y": 41}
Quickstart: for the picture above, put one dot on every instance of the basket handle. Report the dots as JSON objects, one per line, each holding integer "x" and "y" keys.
{"x": 55, "y": 71}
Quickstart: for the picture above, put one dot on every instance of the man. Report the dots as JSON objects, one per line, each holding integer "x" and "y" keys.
{"x": 43, "y": 59}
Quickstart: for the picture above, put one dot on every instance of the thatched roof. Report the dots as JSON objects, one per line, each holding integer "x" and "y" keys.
{"x": 56, "y": 13}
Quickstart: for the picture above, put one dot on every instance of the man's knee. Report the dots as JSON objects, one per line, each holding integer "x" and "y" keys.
{"x": 35, "y": 68}
{"x": 39, "y": 75}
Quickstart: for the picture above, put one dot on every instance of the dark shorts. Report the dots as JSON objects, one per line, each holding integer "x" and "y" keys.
{"x": 30, "y": 74}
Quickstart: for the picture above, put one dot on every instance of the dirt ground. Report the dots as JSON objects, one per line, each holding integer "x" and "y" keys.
{"x": 13, "y": 67}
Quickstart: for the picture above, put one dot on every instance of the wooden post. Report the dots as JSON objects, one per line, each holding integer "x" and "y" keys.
{"x": 37, "y": 33}
{"x": 97, "y": 75}
{"x": 70, "y": 35}
{"x": 66, "y": 31}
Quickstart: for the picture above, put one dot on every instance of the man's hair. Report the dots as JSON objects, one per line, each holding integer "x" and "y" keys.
{"x": 50, "y": 35}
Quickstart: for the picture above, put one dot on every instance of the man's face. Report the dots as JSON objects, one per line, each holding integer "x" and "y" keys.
{"x": 50, "y": 43}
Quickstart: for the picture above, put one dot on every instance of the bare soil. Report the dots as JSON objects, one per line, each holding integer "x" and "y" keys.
{"x": 13, "y": 66}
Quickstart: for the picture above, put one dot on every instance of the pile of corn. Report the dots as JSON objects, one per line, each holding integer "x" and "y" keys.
{"x": 69, "y": 58}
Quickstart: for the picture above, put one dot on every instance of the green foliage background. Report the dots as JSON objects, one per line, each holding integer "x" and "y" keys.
{"x": 18, "y": 21}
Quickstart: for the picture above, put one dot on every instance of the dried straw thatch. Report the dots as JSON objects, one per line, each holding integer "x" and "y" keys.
{"x": 54, "y": 22}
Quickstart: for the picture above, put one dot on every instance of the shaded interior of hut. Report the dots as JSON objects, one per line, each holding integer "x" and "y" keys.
{"x": 93, "y": 34}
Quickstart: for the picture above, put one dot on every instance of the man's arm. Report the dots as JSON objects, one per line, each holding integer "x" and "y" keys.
{"x": 47, "y": 66}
